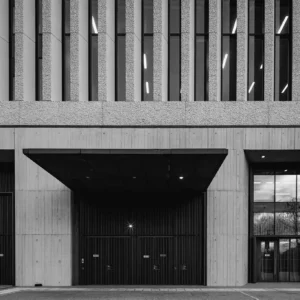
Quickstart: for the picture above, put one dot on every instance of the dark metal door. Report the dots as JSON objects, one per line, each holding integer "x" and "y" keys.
{"x": 6, "y": 239}
{"x": 155, "y": 260}
{"x": 108, "y": 260}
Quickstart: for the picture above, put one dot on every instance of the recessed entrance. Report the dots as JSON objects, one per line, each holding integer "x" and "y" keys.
{"x": 141, "y": 238}
{"x": 139, "y": 216}
{"x": 278, "y": 260}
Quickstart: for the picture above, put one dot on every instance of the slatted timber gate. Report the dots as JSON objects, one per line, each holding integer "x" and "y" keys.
{"x": 6, "y": 224}
{"x": 142, "y": 239}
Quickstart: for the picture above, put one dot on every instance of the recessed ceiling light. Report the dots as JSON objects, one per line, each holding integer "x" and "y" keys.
{"x": 134, "y": 177}
{"x": 181, "y": 177}
{"x": 285, "y": 170}
{"x": 130, "y": 226}
{"x": 87, "y": 177}
{"x": 263, "y": 157}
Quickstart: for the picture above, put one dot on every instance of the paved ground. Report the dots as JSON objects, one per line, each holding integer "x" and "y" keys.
{"x": 156, "y": 293}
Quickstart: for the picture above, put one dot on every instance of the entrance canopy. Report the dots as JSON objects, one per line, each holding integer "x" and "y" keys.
{"x": 131, "y": 170}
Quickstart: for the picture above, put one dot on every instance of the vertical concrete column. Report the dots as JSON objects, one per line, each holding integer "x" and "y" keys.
{"x": 52, "y": 54}
{"x": 242, "y": 47}
{"x": 160, "y": 50}
{"x": 4, "y": 50}
{"x": 133, "y": 50}
{"x": 296, "y": 52}
{"x": 25, "y": 50}
{"x": 214, "y": 50}
{"x": 106, "y": 50}
{"x": 79, "y": 50}
{"x": 269, "y": 50}
{"x": 187, "y": 50}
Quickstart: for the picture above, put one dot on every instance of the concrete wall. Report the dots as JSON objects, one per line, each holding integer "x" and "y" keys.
{"x": 43, "y": 205}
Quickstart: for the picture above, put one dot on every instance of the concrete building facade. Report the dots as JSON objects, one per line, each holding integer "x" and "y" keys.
{"x": 252, "y": 132}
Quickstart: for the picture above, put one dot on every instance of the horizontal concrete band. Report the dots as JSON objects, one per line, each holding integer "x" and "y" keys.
{"x": 21, "y": 113}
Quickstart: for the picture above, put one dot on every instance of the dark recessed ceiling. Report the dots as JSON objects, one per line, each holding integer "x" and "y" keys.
{"x": 273, "y": 156}
{"x": 131, "y": 170}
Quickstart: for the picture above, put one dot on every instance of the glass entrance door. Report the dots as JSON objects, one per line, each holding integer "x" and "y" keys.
{"x": 279, "y": 260}
{"x": 267, "y": 260}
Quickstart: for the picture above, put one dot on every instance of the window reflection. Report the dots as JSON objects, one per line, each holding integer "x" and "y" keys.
{"x": 285, "y": 223}
{"x": 39, "y": 49}
{"x": 283, "y": 50}
{"x": 120, "y": 50}
{"x": 66, "y": 51}
{"x": 264, "y": 188}
{"x": 263, "y": 224}
{"x": 12, "y": 49}
{"x": 295, "y": 260}
{"x": 201, "y": 54}
{"x": 174, "y": 50}
{"x": 147, "y": 46}
{"x": 284, "y": 259}
{"x": 93, "y": 51}
{"x": 285, "y": 188}
{"x": 229, "y": 30}
{"x": 256, "y": 51}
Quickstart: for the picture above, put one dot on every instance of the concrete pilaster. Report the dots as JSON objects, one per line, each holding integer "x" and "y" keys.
{"x": 160, "y": 50}
{"x": 133, "y": 50}
{"x": 269, "y": 50}
{"x": 4, "y": 50}
{"x": 79, "y": 50}
{"x": 214, "y": 50}
{"x": 296, "y": 52}
{"x": 106, "y": 50}
{"x": 25, "y": 50}
{"x": 187, "y": 50}
{"x": 242, "y": 47}
{"x": 52, "y": 54}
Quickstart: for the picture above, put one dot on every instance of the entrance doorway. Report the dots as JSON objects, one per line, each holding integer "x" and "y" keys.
{"x": 147, "y": 239}
{"x": 278, "y": 260}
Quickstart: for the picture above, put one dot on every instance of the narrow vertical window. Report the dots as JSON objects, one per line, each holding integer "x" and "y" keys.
{"x": 174, "y": 50}
{"x": 93, "y": 50}
{"x": 256, "y": 50}
{"x": 147, "y": 50}
{"x": 66, "y": 50}
{"x": 39, "y": 49}
{"x": 12, "y": 50}
{"x": 229, "y": 29}
{"x": 201, "y": 50}
{"x": 283, "y": 50}
{"x": 120, "y": 50}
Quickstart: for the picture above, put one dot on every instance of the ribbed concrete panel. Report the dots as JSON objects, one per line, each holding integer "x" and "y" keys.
{"x": 25, "y": 50}
{"x": 160, "y": 50}
{"x": 4, "y": 50}
{"x": 52, "y": 54}
{"x": 269, "y": 50}
{"x": 242, "y": 47}
{"x": 296, "y": 52}
{"x": 187, "y": 50}
{"x": 133, "y": 50}
{"x": 106, "y": 50}
{"x": 79, "y": 50}
{"x": 214, "y": 50}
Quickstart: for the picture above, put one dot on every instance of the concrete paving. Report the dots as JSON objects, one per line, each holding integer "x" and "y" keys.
{"x": 257, "y": 292}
